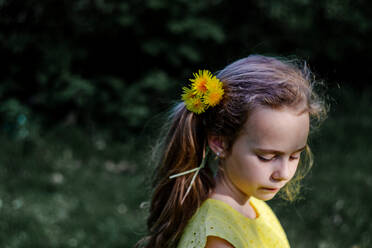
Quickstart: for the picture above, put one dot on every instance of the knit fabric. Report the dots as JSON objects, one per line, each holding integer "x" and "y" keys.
{"x": 217, "y": 218}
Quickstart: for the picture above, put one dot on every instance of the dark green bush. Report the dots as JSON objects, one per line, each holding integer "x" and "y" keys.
{"x": 113, "y": 64}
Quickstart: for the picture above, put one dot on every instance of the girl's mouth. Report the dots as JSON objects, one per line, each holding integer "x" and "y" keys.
{"x": 270, "y": 189}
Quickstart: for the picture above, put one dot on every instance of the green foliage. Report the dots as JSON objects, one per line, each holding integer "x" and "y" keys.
{"x": 111, "y": 64}
{"x": 101, "y": 63}
{"x": 14, "y": 118}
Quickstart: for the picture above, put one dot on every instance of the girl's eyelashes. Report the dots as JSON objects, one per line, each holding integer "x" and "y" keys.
{"x": 295, "y": 156}
{"x": 265, "y": 159}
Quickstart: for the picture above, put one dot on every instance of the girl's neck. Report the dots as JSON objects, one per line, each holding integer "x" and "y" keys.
{"x": 225, "y": 191}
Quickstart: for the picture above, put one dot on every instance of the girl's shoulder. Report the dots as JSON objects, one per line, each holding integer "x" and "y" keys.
{"x": 215, "y": 218}
{"x": 212, "y": 218}
{"x": 215, "y": 213}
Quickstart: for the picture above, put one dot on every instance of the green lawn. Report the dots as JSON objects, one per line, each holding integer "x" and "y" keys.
{"x": 65, "y": 188}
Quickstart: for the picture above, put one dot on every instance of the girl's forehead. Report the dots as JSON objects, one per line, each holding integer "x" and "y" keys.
{"x": 277, "y": 127}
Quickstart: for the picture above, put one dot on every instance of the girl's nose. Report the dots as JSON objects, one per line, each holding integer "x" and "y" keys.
{"x": 281, "y": 172}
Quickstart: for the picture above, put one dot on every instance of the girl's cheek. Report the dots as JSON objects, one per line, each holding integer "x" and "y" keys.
{"x": 294, "y": 170}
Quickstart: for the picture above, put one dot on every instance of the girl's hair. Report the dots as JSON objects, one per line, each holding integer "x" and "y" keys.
{"x": 249, "y": 82}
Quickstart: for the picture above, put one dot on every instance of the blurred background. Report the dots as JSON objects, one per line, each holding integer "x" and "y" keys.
{"x": 86, "y": 84}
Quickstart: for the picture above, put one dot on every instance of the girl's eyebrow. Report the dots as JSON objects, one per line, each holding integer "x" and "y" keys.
{"x": 270, "y": 151}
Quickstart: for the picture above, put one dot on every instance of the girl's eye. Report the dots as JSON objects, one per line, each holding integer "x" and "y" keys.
{"x": 295, "y": 157}
{"x": 264, "y": 159}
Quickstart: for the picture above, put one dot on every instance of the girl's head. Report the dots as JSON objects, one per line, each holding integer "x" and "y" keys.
{"x": 255, "y": 83}
{"x": 261, "y": 95}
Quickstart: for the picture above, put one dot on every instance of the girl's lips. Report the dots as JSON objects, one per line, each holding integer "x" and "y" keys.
{"x": 270, "y": 189}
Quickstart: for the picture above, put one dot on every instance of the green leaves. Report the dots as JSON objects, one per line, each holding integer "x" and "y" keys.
{"x": 126, "y": 60}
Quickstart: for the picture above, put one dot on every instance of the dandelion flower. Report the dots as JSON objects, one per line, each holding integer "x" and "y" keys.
{"x": 187, "y": 95}
{"x": 192, "y": 101}
{"x": 196, "y": 105}
{"x": 213, "y": 97}
{"x": 200, "y": 81}
{"x": 206, "y": 91}
{"x": 214, "y": 83}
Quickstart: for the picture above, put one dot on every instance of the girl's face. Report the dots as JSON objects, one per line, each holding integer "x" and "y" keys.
{"x": 265, "y": 155}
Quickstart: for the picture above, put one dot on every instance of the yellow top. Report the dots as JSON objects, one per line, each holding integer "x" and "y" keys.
{"x": 217, "y": 218}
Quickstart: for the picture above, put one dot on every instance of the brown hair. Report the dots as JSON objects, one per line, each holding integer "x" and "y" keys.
{"x": 249, "y": 82}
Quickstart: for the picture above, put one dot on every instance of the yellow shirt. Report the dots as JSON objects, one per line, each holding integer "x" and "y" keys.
{"x": 217, "y": 218}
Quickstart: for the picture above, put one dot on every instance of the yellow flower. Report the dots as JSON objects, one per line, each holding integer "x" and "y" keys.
{"x": 214, "y": 83}
{"x": 214, "y": 92}
{"x": 206, "y": 91}
{"x": 187, "y": 95}
{"x": 200, "y": 81}
{"x": 213, "y": 97}
{"x": 192, "y": 101}
{"x": 196, "y": 105}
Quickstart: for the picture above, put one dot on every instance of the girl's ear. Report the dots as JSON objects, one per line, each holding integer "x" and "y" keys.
{"x": 216, "y": 144}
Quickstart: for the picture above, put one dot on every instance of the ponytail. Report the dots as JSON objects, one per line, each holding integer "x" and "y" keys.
{"x": 182, "y": 150}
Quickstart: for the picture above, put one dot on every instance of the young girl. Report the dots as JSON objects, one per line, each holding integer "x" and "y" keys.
{"x": 254, "y": 116}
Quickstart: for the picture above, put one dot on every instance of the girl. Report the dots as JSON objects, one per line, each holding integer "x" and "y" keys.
{"x": 255, "y": 117}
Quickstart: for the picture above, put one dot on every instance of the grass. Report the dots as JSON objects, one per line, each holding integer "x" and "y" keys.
{"x": 65, "y": 188}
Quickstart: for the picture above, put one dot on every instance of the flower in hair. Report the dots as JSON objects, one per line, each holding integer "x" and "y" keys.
{"x": 200, "y": 81}
{"x": 206, "y": 91}
{"x": 193, "y": 102}
{"x": 214, "y": 92}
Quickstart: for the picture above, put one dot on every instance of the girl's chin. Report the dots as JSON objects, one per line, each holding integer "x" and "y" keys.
{"x": 266, "y": 196}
